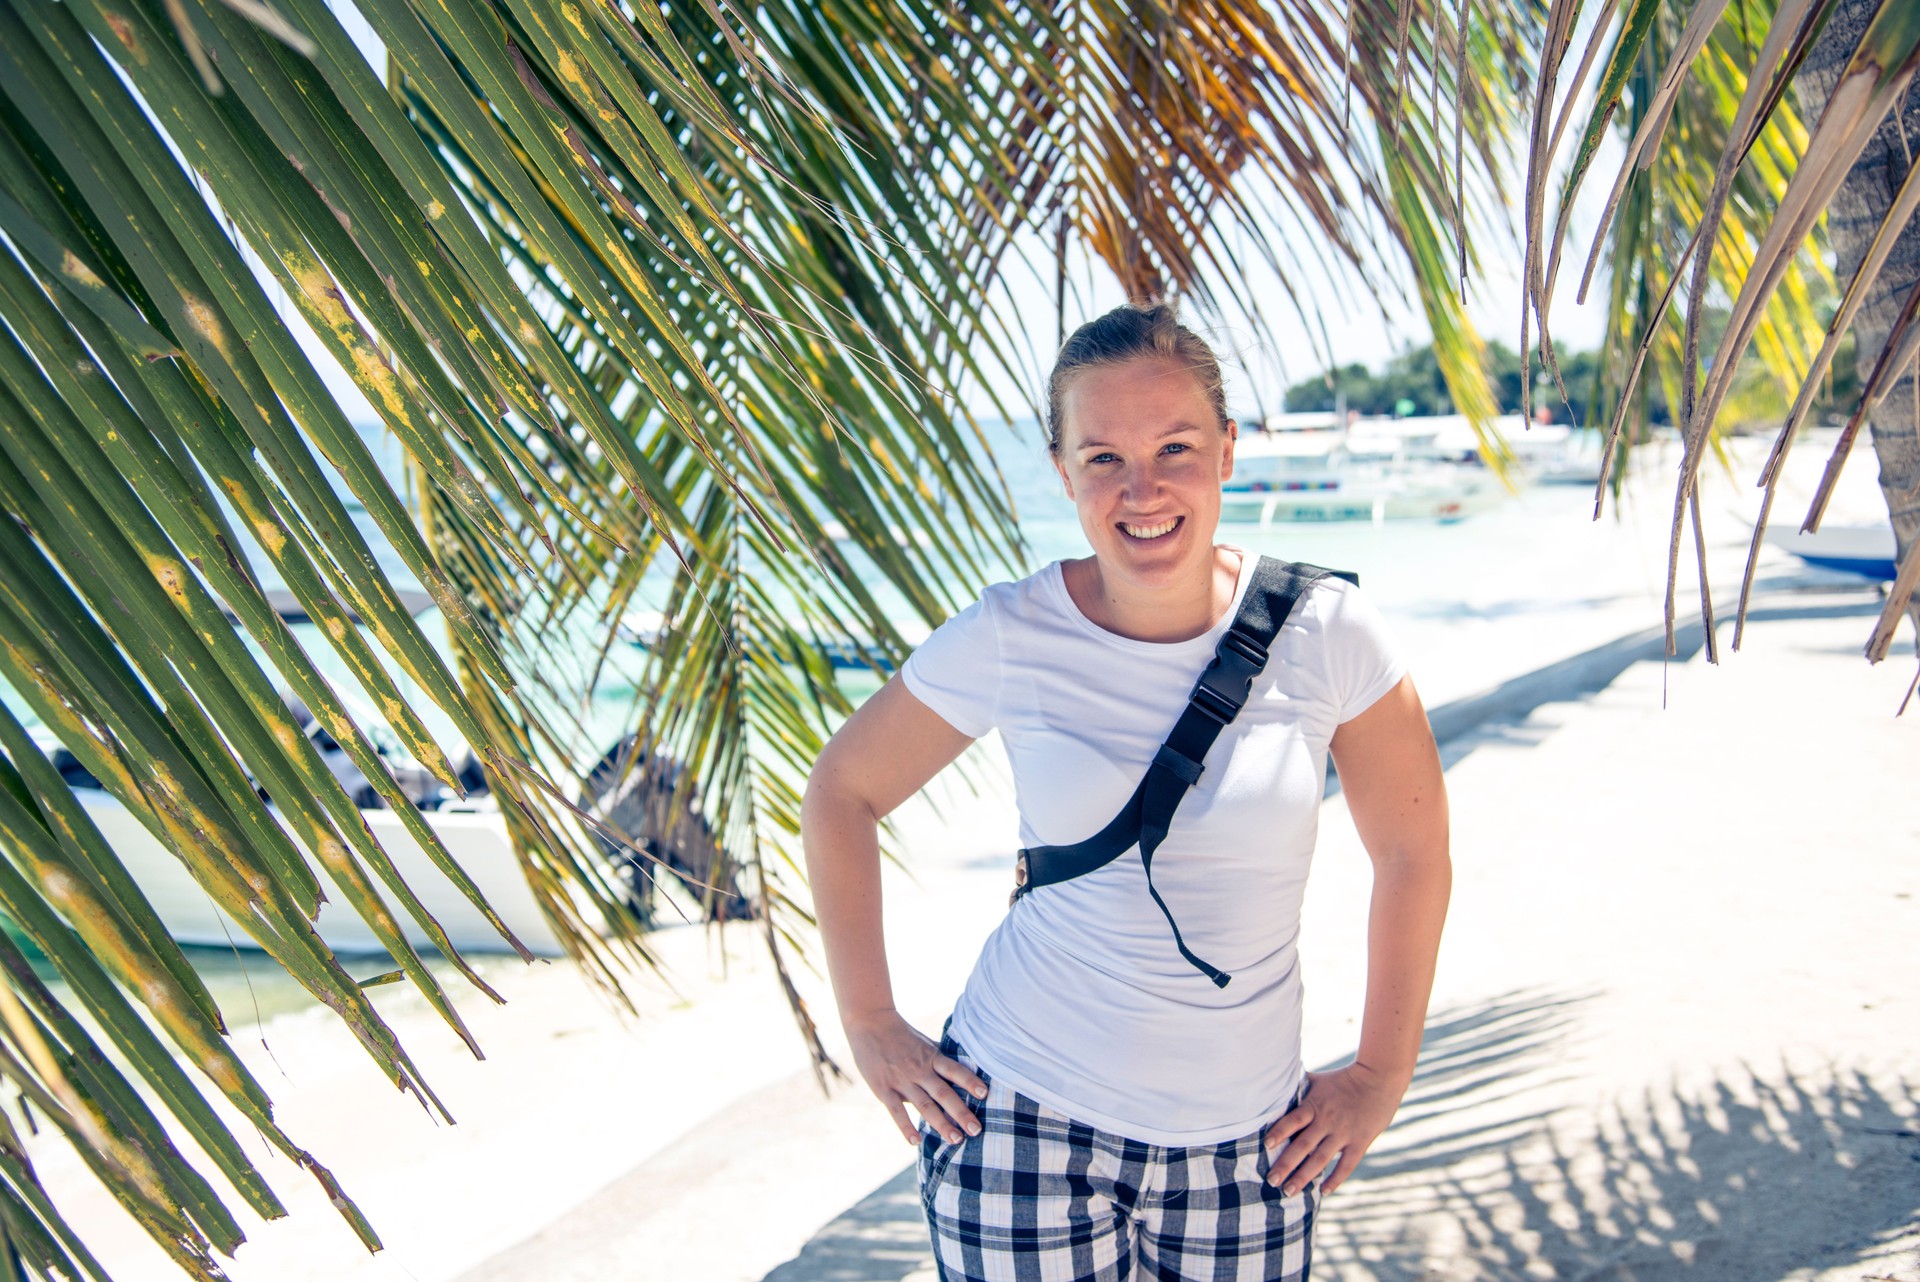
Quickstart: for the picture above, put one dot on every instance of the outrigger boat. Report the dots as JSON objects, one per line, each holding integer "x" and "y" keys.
{"x": 1866, "y": 549}
{"x": 638, "y": 797}
{"x": 472, "y": 831}
{"x": 626, "y": 789}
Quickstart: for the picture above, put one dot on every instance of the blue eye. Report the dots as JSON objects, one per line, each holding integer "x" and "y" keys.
{"x": 1103, "y": 457}
{"x": 1180, "y": 447}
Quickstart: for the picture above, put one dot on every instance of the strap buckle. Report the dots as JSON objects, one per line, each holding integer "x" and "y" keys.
{"x": 1227, "y": 682}
{"x": 1022, "y": 879}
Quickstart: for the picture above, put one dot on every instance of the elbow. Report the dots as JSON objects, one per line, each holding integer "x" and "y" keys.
{"x": 1427, "y": 856}
{"x": 828, "y": 805}
{"x": 827, "y": 791}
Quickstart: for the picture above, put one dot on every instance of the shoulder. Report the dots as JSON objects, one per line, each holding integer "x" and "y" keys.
{"x": 1012, "y": 601}
{"x": 999, "y": 607}
{"x": 1333, "y": 605}
{"x": 1351, "y": 645}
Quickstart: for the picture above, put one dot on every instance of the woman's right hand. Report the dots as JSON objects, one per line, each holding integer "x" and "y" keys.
{"x": 902, "y": 1066}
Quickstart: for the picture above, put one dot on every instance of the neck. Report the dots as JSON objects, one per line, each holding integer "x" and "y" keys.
{"x": 1179, "y": 610}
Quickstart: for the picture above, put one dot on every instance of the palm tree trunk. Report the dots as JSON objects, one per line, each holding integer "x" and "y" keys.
{"x": 1852, "y": 219}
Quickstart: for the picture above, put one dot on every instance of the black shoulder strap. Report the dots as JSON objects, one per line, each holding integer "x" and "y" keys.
{"x": 1217, "y": 698}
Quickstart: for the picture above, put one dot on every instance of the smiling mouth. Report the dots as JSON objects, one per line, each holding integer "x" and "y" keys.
{"x": 1148, "y": 533}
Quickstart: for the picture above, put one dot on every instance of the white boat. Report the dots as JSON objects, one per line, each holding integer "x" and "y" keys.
{"x": 472, "y": 831}
{"x": 1433, "y": 438}
{"x": 1321, "y": 472}
{"x": 1547, "y": 453}
{"x": 1865, "y": 549}
{"x": 476, "y": 839}
{"x": 622, "y": 788}
{"x": 625, "y": 788}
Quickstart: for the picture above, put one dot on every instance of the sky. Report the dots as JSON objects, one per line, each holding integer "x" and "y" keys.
{"x": 1356, "y": 329}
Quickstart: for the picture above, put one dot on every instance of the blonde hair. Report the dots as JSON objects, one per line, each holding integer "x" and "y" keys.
{"x": 1130, "y": 332}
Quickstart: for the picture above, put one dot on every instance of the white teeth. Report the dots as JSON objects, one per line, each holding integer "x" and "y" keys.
{"x": 1150, "y": 531}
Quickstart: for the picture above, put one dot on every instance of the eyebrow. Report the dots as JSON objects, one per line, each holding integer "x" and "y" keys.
{"x": 1171, "y": 431}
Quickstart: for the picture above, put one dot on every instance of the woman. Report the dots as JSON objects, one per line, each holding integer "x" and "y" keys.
{"x": 1097, "y": 1109}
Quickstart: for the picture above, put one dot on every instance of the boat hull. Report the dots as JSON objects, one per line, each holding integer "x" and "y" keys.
{"x": 1866, "y": 550}
{"x": 477, "y": 840}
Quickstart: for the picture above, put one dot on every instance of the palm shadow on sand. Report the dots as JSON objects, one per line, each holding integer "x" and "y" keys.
{"x": 1746, "y": 1179}
{"x": 1749, "y": 1177}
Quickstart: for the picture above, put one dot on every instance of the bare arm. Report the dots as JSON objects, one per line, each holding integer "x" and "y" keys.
{"x": 887, "y": 751}
{"x": 1390, "y": 772}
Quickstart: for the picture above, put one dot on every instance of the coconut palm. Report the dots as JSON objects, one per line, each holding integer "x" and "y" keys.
{"x": 661, "y": 305}
{"x": 1749, "y": 120}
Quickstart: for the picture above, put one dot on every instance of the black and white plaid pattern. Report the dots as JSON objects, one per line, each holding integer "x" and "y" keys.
{"x": 1039, "y": 1197}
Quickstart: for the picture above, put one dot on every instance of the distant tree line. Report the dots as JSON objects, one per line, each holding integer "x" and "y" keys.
{"x": 1412, "y": 378}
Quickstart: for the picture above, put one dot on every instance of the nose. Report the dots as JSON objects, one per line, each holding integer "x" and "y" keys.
{"x": 1141, "y": 482}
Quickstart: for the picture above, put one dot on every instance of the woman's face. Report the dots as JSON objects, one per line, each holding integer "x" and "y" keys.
{"x": 1142, "y": 457}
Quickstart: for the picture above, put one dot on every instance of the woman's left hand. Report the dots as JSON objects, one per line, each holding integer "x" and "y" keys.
{"x": 1340, "y": 1116}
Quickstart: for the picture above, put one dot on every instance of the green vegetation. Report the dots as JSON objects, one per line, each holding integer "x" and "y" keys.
{"x": 1414, "y": 375}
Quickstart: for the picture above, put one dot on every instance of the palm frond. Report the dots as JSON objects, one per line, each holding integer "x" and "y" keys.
{"x": 1172, "y": 120}
{"x": 495, "y": 275}
{"x": 1719, "y": 158}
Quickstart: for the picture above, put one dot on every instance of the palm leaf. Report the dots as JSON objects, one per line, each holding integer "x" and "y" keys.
{"x": 141, "y": 362}
{"x": 1747, "y": 181}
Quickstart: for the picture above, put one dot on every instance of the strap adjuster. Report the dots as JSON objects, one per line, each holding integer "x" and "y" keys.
{"x": 1179, "y": 764}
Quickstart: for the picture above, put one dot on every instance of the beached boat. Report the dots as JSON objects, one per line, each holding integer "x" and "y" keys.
{"x": 477, "y": 840}
{"x": 626, "y": 789}
{"x": 1866, "y": 549}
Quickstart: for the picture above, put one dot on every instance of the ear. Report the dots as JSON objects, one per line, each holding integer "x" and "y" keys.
{"x": 1061, "y": 468}
{"x": 1226, "y": 455}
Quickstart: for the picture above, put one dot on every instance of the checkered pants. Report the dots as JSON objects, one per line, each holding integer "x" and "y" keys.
{"x": 1038, "y": 1197}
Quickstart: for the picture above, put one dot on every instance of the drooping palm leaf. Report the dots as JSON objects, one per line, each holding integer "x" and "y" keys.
{"x": 167, "y": 363}
{"x": 1140, "y": 128}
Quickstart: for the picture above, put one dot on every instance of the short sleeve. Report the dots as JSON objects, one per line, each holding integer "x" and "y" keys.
{"x": 1362, "y": 662}
{"x": 956, "y": 671}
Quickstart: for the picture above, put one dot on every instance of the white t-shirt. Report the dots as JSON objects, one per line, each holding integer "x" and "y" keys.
{"x": 1079, "y": 998}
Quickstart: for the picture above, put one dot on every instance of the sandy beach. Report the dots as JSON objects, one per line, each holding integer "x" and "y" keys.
{"x": 1673, "y": 1033}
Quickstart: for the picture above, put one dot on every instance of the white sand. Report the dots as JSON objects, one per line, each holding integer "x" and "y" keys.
{"x": 1673, "y": 1034}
